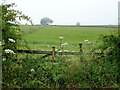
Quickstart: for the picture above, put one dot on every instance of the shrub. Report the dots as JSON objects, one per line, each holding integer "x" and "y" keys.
{"x": 11, "y": 36}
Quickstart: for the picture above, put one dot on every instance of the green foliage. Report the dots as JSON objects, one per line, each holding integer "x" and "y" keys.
{"x": 32, "y": 73}
{"x": 11, "y": 33}
{"x": 11, "y": 37}
{"x": 111, "y": 46}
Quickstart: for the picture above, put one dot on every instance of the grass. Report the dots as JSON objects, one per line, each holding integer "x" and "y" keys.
{"x": 70, "y": 34}
{"x": 44, "y": 37}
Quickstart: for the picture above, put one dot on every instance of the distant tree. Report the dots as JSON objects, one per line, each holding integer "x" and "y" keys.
{"x": 78, "y": 24}
{"x": 46, "y": 21}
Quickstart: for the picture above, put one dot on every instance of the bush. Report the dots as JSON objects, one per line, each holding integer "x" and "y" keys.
{"x": 11, "y": 36}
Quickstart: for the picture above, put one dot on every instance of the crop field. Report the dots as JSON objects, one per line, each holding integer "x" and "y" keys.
{"x": 44, "y": 37}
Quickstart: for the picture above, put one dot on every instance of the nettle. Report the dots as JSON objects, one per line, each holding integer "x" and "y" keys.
{"x": 11, "y": 33}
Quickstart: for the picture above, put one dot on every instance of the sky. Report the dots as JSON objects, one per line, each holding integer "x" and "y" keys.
{"x": 69, "y": 12}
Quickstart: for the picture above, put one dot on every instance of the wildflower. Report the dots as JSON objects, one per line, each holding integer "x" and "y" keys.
{"x": 56, "y": 49}
{"x": 85, "y": 40}
{"x": 60, "y": 51}
{"x": 89, "y": 42}
{"x": 65, "y": 50}
{"x": 64, "y": 44}
{"x": 9, "y": 51}
{"x": 32, "y": 70}
{"x": 17, "y": 31}
{"x": 4, "y": 59}
{"x": 11, "y": 40}
{"x": 61, "y": 37}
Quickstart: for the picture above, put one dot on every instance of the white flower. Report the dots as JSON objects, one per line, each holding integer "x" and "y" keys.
{"x": 64, "y": 44}
{"x": 17, "y": 31}
{"x": 65, "y": 50}
{"x": 32, "y": 70}
{"x": 61, "y": 37}
{"x": 9, "y": 51}
{"x": 11, "y": 40}
{"x": 73, "y": 51}
{"x": 89, "y": 42}
{"x": 56, "y": 49}
{"x": 4, "y": 59}
{"x": 85, "y": 40}
{"x": 60, "y": 51}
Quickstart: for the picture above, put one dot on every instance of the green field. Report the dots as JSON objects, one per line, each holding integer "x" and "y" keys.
{"x": 44, "y": 37}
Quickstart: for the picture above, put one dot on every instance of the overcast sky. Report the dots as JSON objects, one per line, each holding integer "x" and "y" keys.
{"x": 68, "y": 12}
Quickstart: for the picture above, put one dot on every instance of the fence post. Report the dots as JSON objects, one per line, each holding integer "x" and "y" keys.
{"x": 80, "y": 45}
{"x": 53, "y": 53}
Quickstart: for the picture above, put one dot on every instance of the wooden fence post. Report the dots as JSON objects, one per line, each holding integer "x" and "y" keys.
{"x": 80, "y": 45}
{"x": 53, "y": 53}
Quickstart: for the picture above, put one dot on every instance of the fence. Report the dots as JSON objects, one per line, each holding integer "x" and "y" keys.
{"x": 53, "y": 52}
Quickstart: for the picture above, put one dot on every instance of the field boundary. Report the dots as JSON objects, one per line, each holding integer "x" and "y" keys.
{"x": 59, "y": 53}
{"x": 99, "y": 26}
{"x": 53, "y": 52}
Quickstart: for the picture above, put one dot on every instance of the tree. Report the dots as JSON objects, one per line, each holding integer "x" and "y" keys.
{"x": 46, "y": 21}
{"x": 78, "y": 24}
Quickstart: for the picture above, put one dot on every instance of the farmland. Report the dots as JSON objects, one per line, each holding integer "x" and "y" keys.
{"x": 44, "y": 37}
{"x": 56, "y": 69}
